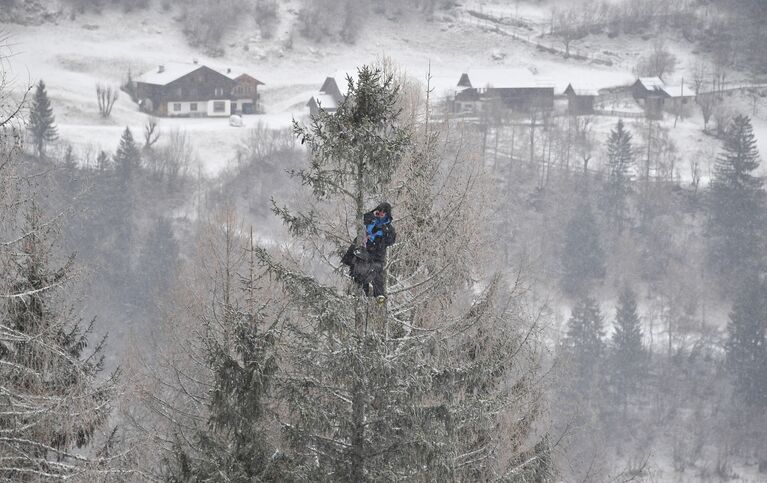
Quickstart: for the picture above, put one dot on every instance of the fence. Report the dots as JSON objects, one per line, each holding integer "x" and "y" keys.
{"x": 614, "y": 113}
{"x": 530, "y": 38}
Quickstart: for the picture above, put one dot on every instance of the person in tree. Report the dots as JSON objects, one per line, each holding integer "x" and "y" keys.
{"x": 366, "y": 260}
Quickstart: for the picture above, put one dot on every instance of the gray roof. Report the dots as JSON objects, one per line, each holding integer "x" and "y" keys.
{"x": 652, "y": 83}
{"x": 679, "y": 90}
{"x": 506, "y": 78}
{"x": 583, "y": 89}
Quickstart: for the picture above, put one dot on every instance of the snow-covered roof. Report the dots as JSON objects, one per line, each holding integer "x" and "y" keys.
{"x": 652, "y": 83}
{"x": 340, "y": 78}
{"x": 505, "y": 78}
{"x": 679, "y": 90}
{"x": 583, "y": 89}
{"x": 325, "y": 101}
{"x": 166, "y": 73}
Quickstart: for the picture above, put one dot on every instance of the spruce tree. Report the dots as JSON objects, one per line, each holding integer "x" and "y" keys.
{"x": 746, "y": 344}
{"x": 127, "y": 158}
{"x": 157, "y": 264}
{"x": 53, "y": 400}
{"x": 627, "y": 355}
{"x": 582, "y": 256}
{"x": 41, "y": 120}
{"x": 219, "y": 393}
{"x": 121, "y": 207}
{"x": 620, "y": 165}
{"x": 585, "y": 340}
{"x": 737, "y": 203}
{"x": 420, "y": 388}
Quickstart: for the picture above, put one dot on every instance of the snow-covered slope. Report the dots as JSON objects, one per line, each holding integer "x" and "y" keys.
{"x": 73, "y": 55}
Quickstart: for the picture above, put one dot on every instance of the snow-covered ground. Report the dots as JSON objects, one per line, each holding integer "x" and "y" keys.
{"x": 73, "y": 55}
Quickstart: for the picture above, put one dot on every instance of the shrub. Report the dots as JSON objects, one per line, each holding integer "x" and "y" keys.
{"x": 206, "y": 22}
{"x": 267, "y": 17}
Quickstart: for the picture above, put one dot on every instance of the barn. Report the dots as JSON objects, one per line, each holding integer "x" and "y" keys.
{"x": 650, "y": 93}
{"x": 191, "y": 90}
{"x": 580, "y": 99}
{"x": 517, "y": 89}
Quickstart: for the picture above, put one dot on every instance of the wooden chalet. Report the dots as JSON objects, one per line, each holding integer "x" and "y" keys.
{"x": 655, "y": 95}
{"x": 580, "y": 99}
{"x": 191, "y": 90}
{"x": 650, "y": 94}
{"x": 515, "y": 89}
{"x": 245, "y": 97}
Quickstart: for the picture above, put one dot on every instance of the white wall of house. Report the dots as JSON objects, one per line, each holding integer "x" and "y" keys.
{"x": 226, "y": 111}
{"x": 187, "y": 108}
{"x": 202, "y": 108}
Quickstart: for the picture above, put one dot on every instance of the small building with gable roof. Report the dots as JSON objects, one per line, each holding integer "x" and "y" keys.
{"x": 329, "y": 97}
{"x": 580, "y": 99}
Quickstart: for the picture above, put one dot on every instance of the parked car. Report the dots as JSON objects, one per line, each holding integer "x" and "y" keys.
{"x": 235, "y": 120}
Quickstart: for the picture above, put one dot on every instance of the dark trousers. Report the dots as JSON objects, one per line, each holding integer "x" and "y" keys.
{"x": 365, "y": 272}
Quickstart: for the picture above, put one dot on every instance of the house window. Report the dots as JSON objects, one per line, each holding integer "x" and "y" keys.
{"x": 180, "y": 92}
{"x": 177, "y": 106}
{"x": 219, "y": 91}
{"x": 219, "y": 106}
{"x": 193, "y": 106}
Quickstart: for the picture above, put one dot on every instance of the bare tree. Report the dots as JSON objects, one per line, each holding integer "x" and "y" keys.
{"x": 151, "y": 133}
{"x": 659, "y": 62}
{"x": 700, "y": 72}
{"x": 584, "y": 140}
{"x": 695, "y": 174}
{"x": 106, "y": 96}
{"x": 568, "y": 28}
{"x": 177, "y": 156}
{"x": 722, "y": 115}
{"x": 706, "y": 102}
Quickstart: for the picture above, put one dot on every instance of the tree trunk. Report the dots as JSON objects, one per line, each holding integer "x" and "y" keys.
{"x": 358, "y": 390}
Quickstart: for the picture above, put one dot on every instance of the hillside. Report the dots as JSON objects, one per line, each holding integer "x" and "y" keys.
{"x": 72, "y": 55}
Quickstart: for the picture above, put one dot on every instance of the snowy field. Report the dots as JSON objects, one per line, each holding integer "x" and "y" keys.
{"x": 75, "y": 55}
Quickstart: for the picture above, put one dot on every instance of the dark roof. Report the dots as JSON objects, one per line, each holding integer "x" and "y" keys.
{"x": 165, "y": 74}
